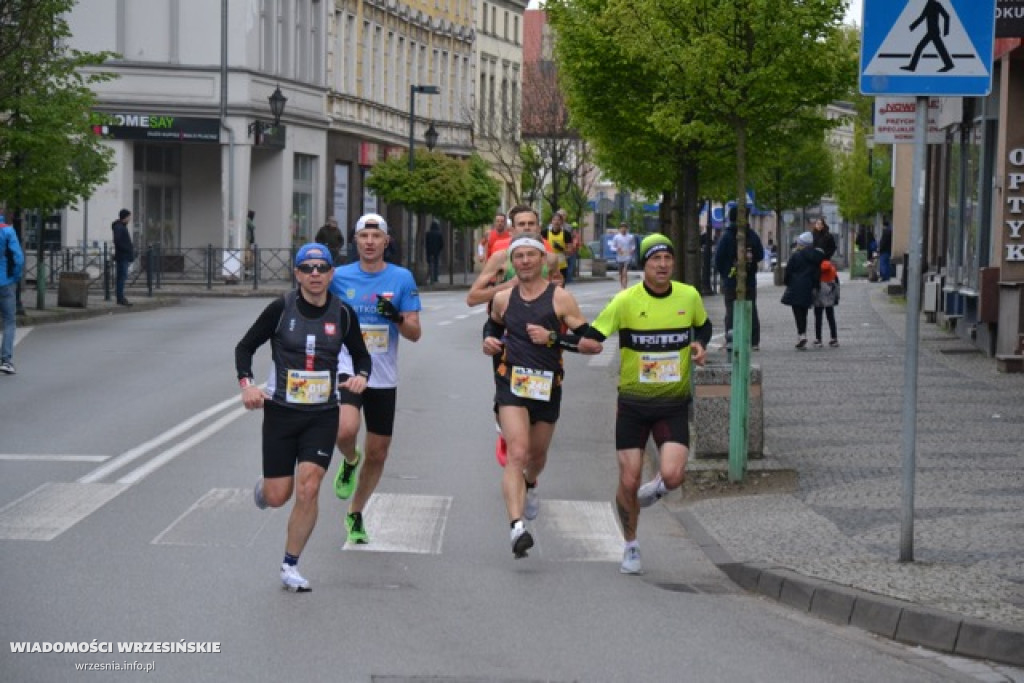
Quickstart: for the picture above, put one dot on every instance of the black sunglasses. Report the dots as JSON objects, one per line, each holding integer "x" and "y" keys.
{"x": 308, "y": 268}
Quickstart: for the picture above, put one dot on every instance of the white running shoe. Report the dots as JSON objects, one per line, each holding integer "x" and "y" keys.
{"x": 651, "y": 492}
{"x": 532, "y": 504}
{"x": 631, "y": 561}
{"x": 293, "y": 580}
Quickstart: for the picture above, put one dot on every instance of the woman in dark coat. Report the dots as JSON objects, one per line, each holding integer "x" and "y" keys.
{"x": 803, "y": 274}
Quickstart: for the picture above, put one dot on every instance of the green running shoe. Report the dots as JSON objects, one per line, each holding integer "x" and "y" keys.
{"x": 345, "y": 480}
{"x": 356, "y": 531}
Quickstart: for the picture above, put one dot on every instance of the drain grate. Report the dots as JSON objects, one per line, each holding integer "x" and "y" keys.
{"x": 960, "y": 352}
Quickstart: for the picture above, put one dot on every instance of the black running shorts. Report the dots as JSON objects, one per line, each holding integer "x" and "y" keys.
{"x": 635, "y": 422}
{"x": 378, "y": 406}
{"x": 292, "y": 436}
{"x": 539, "y": 411}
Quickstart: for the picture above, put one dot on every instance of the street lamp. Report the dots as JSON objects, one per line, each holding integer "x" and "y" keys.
{"x": 277, "y": 101}
{"x": 431, "y": 137}
{"x": 426, "y": 90}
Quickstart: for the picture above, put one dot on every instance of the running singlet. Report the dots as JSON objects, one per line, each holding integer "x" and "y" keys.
{"x": 654, "y": 339}
{"x": 531, "y": 369}
{"x": 557, "y": 241}
{"x": 305, "y": 355}
{"x": 359, "y": 290}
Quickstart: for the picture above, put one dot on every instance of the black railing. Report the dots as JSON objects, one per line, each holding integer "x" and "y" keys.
{"x": 156, "y": 266}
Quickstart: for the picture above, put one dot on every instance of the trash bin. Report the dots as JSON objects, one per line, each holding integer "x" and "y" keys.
{"x": 599, "y": 268}
{"x": 778, "y": 274}
{"x": 712, "y": 401}
{"x": 859, "y": 264}
{"x": 73, "y": 289}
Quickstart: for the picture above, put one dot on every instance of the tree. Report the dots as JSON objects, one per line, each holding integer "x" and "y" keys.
{"x": 49, "y": 155}
{"x": 459, "y": 190}
{"x": 560, "y": 163}
{"x": 799, "y": 178}
{"x": 863, "y": 185}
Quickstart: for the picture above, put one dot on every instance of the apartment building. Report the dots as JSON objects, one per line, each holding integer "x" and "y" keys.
{"x": 189, "y": 115}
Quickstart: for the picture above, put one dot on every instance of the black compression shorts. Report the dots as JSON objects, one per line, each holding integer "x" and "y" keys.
{"x": 292, "y": 436}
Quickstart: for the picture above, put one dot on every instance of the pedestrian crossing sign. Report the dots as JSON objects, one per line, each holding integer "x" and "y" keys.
{"x": 927, "y": 47}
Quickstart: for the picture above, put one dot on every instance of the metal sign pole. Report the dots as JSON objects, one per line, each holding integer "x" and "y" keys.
{"x": 912, "y": 350}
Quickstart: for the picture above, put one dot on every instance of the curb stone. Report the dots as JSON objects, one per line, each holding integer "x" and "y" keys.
{"x": 844, "y": 605}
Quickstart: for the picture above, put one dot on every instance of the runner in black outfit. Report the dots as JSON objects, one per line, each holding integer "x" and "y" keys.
{"x": 306, "y": 329}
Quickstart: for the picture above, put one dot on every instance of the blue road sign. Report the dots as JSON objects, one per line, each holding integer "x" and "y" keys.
{"x": 927, "y": 47}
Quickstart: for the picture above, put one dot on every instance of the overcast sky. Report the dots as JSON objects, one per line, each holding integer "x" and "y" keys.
{"x": 852, "y": 13}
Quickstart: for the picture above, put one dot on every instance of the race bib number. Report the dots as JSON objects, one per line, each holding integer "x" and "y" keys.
{"x": 308, "y": 387}
{"x": 376, "y": 338}
{"x": 660, "y": 367}
{"x": 533, "y": 384}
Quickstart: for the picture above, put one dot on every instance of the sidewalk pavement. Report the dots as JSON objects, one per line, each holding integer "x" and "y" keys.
{"x": 835, "y": 415}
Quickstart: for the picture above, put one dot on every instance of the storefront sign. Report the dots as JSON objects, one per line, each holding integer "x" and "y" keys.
{"x": 1015, "y": 206}
{"x": 896, "y": 119}
{"x": 155, "y": 127}
{"x": 369, "y": 153}
{"x": 1009, "y": 18}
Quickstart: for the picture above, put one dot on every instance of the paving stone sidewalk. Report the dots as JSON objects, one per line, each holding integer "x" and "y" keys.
{"x": 835, "y": 416}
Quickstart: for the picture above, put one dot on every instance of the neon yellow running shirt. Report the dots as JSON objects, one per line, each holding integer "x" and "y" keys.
{"x": 654, "y": 339}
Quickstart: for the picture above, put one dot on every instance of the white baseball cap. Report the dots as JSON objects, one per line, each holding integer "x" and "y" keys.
{"x": 372, "y": 220}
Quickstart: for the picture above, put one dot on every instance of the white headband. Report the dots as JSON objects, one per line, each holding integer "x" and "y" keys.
{"x": 526, "y": 241}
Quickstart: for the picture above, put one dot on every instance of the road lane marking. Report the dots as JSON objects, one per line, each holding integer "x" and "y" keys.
{"x": 222, "y": 518}
{"x": 20, "y": 333}
{"x": 402, "y": 523}
{"x": 578, "y": 531}
{"x": 170, "y": 454}
{"x": 144, "y": 448}
{"x": 52, "y": 509}
{"x": 53, "y": 457}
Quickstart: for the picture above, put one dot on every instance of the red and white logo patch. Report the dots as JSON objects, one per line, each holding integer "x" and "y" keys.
{"x": 330, "y": 329}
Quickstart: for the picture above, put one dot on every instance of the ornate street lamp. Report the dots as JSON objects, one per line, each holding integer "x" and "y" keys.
{"x": 410, "y": 248}
{"x": 431, "y": 136}
{"x": 277, "y": 101}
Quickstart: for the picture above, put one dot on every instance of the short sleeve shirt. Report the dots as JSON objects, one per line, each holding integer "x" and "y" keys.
{"x": 655, "y": 333}
{"x": 359, "y": 289}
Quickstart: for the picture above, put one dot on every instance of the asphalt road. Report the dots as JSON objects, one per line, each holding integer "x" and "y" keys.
{"x": 126, "y": 467}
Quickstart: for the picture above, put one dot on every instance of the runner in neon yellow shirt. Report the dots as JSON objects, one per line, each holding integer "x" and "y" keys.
{"x": 661, "y": 325}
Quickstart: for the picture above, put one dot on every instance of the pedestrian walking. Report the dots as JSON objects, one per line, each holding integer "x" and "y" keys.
{"x": 825, "y": 301}
{"x": 524, "y": 332}
{"x": 434, "y": 246}
{"x": 124, "y": 254}
{"x": 885, "y": 252}
{"x": 662, "y": 326}
{"x": 726, "y": 259}
{"x": 12, "y": 263}
{"x": 387, "y": 302}
{"x": 306, "y": 328}
{"x": 330, "y": 236}
{"x": 802, "y": 277}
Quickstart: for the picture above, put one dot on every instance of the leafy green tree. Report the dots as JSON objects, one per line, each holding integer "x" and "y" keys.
{"x": 863, "y": 175}
{"x": 461, "y": 191}
{"x": 49, "y": 156}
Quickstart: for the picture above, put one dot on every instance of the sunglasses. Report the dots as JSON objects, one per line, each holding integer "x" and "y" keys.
{"x": 308, "y": 268}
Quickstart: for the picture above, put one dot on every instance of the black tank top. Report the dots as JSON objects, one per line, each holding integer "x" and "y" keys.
{"x": 519, "y": 350}
{"x": 305, "y": 355}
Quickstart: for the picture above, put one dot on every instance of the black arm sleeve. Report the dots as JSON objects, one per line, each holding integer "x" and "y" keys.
{"x": 362, "y": 363}
{"x": 260, "y": 332}
{"x": 585, "y": 330}
{"x": 492, "y": 328}
{"x": 702, "y": 334}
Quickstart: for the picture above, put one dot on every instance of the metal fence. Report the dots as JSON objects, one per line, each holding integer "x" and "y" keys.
{"x": 156, "y": 266}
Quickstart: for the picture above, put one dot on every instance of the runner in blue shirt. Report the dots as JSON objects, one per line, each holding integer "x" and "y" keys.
{"x": 387, "y": 303}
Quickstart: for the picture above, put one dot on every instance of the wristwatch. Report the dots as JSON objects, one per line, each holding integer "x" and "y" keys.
{"x": 552, "y": 338}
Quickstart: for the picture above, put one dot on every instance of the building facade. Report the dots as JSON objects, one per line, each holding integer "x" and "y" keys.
{"x": 973, "y": 211}
{"x": 189, "y": 120}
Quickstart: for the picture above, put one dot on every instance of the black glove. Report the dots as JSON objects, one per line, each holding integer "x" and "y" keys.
{"x": 388, "y": 310}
